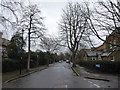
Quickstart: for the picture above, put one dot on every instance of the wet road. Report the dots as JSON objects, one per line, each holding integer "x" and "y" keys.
{"x": 59, "y": 75}
{"x": 100, "y": 79}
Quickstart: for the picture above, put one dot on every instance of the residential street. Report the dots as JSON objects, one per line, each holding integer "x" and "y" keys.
{"x": 60, "y": 75}
{"x": 52, "y": 44}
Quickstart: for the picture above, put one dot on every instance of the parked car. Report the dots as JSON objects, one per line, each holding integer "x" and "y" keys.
{"x": 68, "y": 61}
{"x": 60, "y": 61}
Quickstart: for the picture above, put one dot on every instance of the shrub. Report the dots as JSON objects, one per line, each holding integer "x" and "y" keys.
{"x": 9, "y": 65}
{"x": 105, "y": 66}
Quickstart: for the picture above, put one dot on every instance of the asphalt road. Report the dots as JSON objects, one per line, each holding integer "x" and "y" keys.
{"x": 59, "y": 75}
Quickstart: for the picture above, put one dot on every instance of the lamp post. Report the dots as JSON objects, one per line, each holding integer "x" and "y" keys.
{"x": 21, "y": 51}
{"x": 37, "y": 62}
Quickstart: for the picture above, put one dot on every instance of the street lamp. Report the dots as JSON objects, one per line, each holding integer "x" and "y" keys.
{"x": 37, "y": 58}
{"x": 21, "y": 51}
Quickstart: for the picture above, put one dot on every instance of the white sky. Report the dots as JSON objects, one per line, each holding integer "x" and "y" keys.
{"x": 51, "y": 11}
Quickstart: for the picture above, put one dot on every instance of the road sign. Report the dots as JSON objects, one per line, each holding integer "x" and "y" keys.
{"x": 20, "y": 51}
{"x": 97, "y": 65}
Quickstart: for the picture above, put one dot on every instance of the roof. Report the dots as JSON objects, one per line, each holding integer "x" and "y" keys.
{"x": 5, "y": 42}
{"x": 96, "y": 53}
{"x": 106, "y": 54}
{"x": 93, "y": 53}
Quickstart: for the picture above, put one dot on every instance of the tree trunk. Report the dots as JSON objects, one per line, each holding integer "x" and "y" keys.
{"x": 48, "y": 58}
{"x": 73, "y": 59}
{"x": 48, "y": 63}
{"x": 28, "y": 63}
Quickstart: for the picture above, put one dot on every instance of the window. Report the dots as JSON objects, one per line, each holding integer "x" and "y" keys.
{"x": 112, "y": 58}
{"x": 99, "y": 57}
{"x": 114, "y": 42}
{"x": 110, "y": 46}
{"x": 93, "y": 58}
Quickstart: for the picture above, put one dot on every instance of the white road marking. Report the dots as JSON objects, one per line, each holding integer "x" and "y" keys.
{"x": 97, "y": 85}
{"x": 94, "y": 84}
{"x": 61, "y": 86}
{"x": 66, "y": 86}
{"x": 90, "y": 82}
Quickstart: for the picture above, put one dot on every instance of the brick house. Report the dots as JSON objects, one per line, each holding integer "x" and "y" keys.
{"x": 109, "y": 50}
{"x": 89, "y": 54}
{"x": 3, "y": 45}
{"x": 93, "y": 55}
{"x": 0, "y": 44}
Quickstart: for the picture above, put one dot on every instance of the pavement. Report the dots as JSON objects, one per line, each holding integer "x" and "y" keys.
{"x": 25, "y": 73}
{"x": 100, "y": 79}
{"x": 60, "y": 75}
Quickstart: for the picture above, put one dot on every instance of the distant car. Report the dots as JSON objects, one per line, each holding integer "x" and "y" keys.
{"x": 60, "y": 61}
{"x": 67, "y": 61}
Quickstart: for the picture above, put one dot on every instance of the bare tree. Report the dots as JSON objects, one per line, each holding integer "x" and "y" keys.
{"x": 104, "y": 19}
{"x": 73, "y": 26}
{"x": 50, "y": 44}
{"x": 9, "y": 15}
{"x": 23, "y": 19}
{"x": 32, "y": 22}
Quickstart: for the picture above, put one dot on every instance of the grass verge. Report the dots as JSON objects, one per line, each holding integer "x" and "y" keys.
{"x": 76, "y": 70}
{"x": 11, "y": 75}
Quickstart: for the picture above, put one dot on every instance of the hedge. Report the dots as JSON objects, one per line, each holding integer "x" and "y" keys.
{"x": 12, "y": 65}
{"x": 9, "y": 65}
{"x": 105, "y": 66}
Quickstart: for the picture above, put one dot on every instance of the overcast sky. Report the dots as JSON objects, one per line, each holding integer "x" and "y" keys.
{"x": 51, "y": 11}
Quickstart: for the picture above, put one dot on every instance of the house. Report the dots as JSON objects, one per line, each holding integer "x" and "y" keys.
{"x": 98, "y": 55}
{"x": 91, "y": 55}
{"x": 109, "y": 50}
{"x": 108, "y": 56}
{"x": 82, "y": 54}
{"x": 0, "y": 43}
{"x": 101, "y": 47}
{"x": 3, "y": 45}
{"x": 111, "y": 47}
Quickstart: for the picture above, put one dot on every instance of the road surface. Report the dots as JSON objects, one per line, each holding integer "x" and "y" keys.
{"x": 59, "y": 75}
